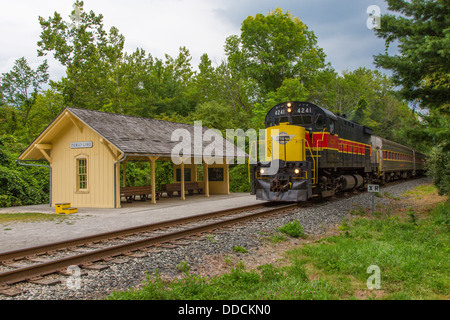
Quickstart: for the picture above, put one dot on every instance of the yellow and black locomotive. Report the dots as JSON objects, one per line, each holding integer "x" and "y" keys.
{"x": 310, "y": 151}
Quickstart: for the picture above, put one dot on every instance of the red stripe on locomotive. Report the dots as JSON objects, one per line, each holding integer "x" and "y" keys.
{"x": 326, "y": 140}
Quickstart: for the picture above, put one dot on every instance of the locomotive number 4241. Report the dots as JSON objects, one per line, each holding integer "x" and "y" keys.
{"x": 304, "y": 110}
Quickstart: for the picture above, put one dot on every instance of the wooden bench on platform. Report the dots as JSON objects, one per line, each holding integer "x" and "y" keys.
{"x": 190, "y": 187}
{"x": 143, "y": 191}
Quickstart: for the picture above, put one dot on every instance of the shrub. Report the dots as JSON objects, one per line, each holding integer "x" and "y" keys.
{"x": 293, "y": 229}
{"x": 20, "y": 185}
{"x": 239, "y": 178}
{"x": 438, "y": 167}
{"x": 240, "y": 249}
{"x": 183, "y": 267}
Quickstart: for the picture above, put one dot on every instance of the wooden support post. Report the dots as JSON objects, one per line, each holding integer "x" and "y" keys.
{"x": 227, "y": 175}
{"x": 205, "y": 178}
{"x": 183, "y": 196}
{"x": 124, "y": 174}
{"x": 194, "y": 169}
{"x": 153, "y": 177}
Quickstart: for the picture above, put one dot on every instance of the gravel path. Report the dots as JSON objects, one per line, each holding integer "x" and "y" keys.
{"x": 315, "y": 220}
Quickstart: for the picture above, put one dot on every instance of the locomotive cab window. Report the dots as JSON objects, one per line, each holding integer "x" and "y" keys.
{"x": 284, "y": 119}
{"x": 279, "y": 120}
{"x": 302, "y": 120}
{"x": 331, "y": 125}
{"x": 319, "y": 122}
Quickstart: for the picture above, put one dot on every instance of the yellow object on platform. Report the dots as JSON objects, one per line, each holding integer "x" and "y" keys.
{"x": 64, "y": 208}
{"x": 59, "y": 207}
{"x": 70, "y": 210}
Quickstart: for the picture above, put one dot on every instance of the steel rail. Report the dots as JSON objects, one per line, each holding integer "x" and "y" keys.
{"x": 27, "y": 273}
{"x": 41, "y": 249}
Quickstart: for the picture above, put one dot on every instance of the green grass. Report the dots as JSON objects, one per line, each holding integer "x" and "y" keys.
{"x": 240, "y": 249}
{"x": 412, "y": 254}
{"x": 389, "y": 196}
{"x": 6, "y": 218}
{"x": 277, "y": 238}
{"x": 412, "y": 258}
{"x": 267, "y": 282}
{"x": 293, "y": 229}
{"x": 420, "y": 191}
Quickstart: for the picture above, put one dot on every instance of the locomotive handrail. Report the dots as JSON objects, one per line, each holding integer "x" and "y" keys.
{"x": 314, "y": 161}
{"x": 252, "y": 145}
{"x": 317, "y": 154}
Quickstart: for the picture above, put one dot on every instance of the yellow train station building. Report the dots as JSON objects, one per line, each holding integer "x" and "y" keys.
{"x": 88, "y": 150}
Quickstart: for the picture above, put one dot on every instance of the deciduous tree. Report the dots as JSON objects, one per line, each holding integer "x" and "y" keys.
{"x": 21, "y": 86}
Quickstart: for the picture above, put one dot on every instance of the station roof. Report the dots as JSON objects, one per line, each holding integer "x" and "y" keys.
{"x": 135, "y": 135}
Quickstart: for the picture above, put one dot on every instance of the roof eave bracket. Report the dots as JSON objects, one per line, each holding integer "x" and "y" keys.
{"x": 74, "y": 121}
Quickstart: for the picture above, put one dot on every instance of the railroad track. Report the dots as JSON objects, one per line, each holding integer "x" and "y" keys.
{"x": 30, "y": 264}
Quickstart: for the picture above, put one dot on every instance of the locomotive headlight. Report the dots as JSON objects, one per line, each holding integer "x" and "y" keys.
{"x": 289, "y": 110}
{"x": 297, "y": 171}
{"x": 261, "y": 171}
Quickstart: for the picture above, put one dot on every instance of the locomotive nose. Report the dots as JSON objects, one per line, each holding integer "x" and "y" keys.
{"x": 285, "y": 142}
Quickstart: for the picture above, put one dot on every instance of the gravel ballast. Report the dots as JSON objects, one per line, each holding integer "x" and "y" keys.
{"x": 315, "y": 219}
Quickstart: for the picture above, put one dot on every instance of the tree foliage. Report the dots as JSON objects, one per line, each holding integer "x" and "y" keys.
{"x": 20, "y": 88}
{"x": 422, "y": 29}
{"x": 19, "y": 185}
{"x": 275, "y": 47}
{"x": 438, "y": 166}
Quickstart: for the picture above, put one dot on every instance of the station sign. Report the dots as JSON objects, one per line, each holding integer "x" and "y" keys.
{"x": 81, "y": 145}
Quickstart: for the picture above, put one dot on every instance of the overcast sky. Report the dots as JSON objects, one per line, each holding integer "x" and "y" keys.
{"x": 162, "y": 26}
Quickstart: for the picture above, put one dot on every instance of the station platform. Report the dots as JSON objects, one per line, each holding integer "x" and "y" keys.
{"x": 89, "y": 221}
